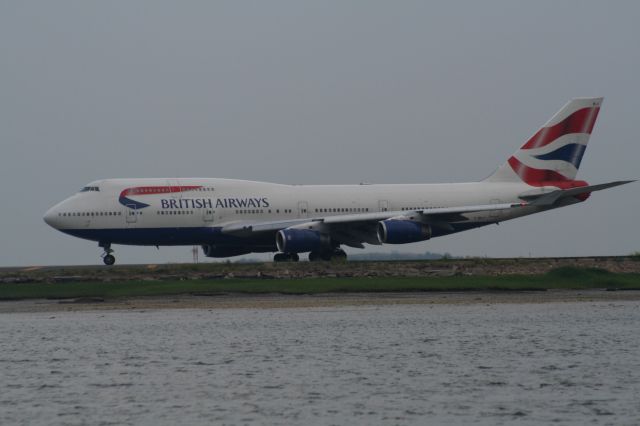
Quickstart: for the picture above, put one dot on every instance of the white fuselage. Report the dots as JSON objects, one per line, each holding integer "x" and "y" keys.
{"x": 219, "y": 202}
{"x": 197, "y": 211}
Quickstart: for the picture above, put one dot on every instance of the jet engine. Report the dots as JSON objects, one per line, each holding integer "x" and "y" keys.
{"x": 396, "y": 231}
{"x": 301, "y": 240}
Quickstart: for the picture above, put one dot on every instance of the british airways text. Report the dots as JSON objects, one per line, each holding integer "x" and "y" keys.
{"x": 200, "y": 203}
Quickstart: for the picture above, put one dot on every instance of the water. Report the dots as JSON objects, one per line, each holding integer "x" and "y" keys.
{"x": 569, "y": 363}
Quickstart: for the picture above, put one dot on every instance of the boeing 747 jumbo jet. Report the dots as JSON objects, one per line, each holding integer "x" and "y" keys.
{"x": 233, "y": 217}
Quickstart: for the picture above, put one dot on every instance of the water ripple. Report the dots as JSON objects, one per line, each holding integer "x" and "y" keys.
{"x": 568, "y": 363}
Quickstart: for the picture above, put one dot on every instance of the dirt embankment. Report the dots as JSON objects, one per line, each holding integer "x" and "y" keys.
{"x": 277, "y": 301}
{"x": 476, "y": 266}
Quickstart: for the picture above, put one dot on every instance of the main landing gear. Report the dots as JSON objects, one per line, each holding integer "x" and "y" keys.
{"x": 337, "y": 254}
{"x": 107, "y": 257}
{"x": 286, "y": 257}
{"x": 314, "y": 256}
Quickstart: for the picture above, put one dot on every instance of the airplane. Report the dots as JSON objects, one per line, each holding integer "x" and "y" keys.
{"x": 233, "y": 217}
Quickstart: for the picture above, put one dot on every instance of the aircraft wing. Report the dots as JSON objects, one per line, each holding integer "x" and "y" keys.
{"x": 357, "y": 228}
{"x": 354, "y": 229}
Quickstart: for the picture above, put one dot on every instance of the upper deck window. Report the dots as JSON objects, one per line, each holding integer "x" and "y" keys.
{"x": 90, "y": 188}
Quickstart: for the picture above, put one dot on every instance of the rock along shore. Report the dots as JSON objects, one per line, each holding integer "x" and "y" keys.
{"x": 214, "y": 271}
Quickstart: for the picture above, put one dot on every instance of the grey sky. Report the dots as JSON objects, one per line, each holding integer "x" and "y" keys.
{"x": 311, "y": 92}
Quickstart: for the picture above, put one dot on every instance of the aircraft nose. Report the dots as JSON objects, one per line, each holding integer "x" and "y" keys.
{"x": 51, "y": 216}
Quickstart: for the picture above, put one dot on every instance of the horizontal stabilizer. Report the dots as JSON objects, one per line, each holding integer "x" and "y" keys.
{"x": 551, "y": 197}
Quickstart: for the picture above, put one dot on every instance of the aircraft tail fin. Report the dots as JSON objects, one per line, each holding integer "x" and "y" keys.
{"x": 552, "y": 156}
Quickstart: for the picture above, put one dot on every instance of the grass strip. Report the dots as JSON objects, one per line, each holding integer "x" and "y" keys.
{"x": 561, "y": 278}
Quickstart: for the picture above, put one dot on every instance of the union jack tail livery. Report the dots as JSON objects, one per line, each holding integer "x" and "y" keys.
{"x": 552, "y": 156}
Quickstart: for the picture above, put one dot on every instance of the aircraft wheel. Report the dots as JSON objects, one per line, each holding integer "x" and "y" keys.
{"x": 109, "y": 260}
{"x": 339, "y": 255}
{"x": 314, "y": 256}
{"x": 286, "y": 257}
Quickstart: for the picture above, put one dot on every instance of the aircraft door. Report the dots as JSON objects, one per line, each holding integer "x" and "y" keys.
{"x": 175, "y": 186}
{"x": 495, "y": 214}
{"x": 131, "y": 215}
{"x": 207, "y": 215}
{"x": 303, "y": 209}
{"x": 383, "y": 205}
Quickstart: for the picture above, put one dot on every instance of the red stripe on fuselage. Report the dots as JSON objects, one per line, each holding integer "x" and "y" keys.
{"x": 581, "y": 121}
{"x": 150, "y": 190}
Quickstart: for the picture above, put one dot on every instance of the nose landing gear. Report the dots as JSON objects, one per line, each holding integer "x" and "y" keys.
{"x": 107, "y": 257}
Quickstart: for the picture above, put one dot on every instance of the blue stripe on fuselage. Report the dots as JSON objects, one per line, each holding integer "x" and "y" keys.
{"x": 206, "y": 235}
{"x": 170, "y": 236}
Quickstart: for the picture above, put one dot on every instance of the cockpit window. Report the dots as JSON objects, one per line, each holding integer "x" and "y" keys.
{"x": 90, "y": 188}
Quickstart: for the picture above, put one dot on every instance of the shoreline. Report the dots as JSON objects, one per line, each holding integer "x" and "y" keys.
{"x": 286, "y": 301}
{"x": 302, "y": 270}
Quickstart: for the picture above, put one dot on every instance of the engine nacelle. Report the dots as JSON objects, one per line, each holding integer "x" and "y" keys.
{"x": 301, "y": 240}
{"x": 215, "y": 251}
{"x": 402, "y": 231}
